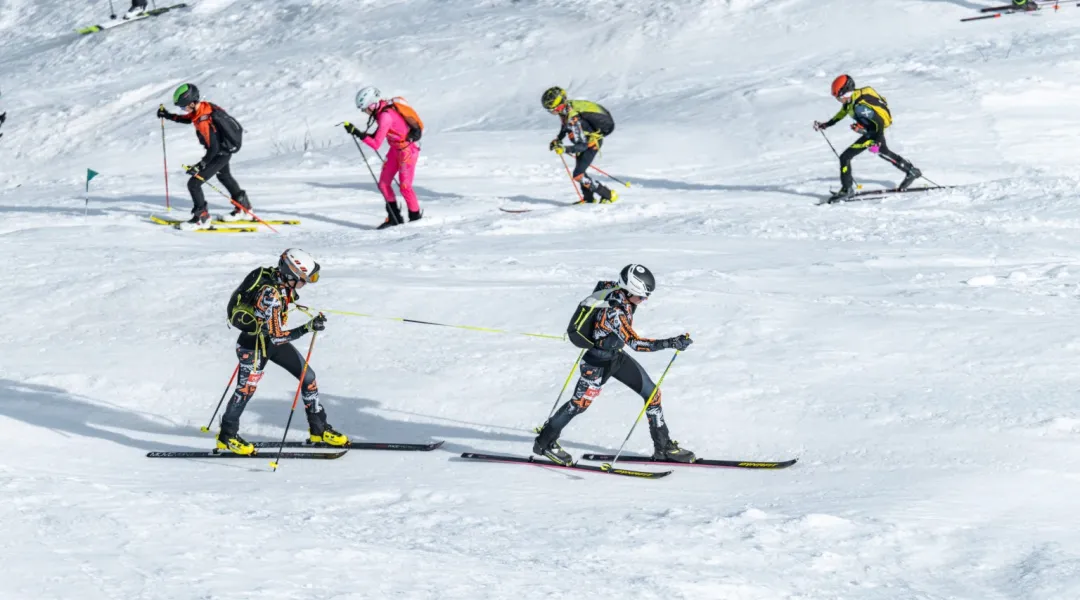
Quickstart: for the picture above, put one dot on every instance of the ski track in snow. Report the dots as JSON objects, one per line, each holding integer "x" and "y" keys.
{"x": 916, "y": 352}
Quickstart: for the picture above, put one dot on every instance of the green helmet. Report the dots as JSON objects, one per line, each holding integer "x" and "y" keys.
{"x": 185, "y": 94}
{"x": 553, "y": 97}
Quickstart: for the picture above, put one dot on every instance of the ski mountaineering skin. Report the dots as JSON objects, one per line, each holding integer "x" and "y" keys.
{"x": 601, "y": 327}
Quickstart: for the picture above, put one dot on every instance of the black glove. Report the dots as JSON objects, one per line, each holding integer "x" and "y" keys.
{"x": 350, "y": 128}
{"x": 680, "y": 342}
{"x": 819, "y": 126}
{"x": 555, "y": 143}
{"x": 318, "y": 323}
{"x": 195, "y": 169}
{"x": 162, "y": 113}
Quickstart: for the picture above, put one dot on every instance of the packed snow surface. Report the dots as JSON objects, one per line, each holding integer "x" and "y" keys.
{"x": 917, "y": 353}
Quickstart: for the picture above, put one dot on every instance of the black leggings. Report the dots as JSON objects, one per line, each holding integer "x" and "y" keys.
{"x": 285, "y": 356}
{"x": 588, "y": 185}
{"x": 219, "y": 167}
{"x": 861, "y": 144}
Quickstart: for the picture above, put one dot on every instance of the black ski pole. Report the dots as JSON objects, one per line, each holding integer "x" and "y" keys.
{"x": 837, "y": 155}
{"x": 206, "y": 428}
{"x": 392, "y": 214}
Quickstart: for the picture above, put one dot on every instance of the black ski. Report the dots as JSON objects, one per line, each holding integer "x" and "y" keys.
{"x": 878, "y": 193}
{"x": 543, "y": 462}
{"x": 701, "y": 462}
{"x": 216, "y": 454}
{"x": 354, "y": 445}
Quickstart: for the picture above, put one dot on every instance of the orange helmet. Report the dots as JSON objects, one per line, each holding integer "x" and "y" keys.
{"x": 842, "y": 86}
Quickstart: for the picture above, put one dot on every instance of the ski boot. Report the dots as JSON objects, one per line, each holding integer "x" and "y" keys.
{"x": 136, "y": 10}
{"x": 842, "y": 195}
{"x": 1028, "y": 6}
{"x": 547, "y": 442}
{"x": 612, "y": 199}
{"x": 199, "y": 220}
{"x": 235, "y": 444}
{"x": 415, "y": 216}
{"x": 329, "y": 436}
{"x": 237, "y": 214}
{"x": 671, "y": 451}
{"x": 553, "y": 452}
{"x": 393, "y": 216}
{"x": 912, "y": 175}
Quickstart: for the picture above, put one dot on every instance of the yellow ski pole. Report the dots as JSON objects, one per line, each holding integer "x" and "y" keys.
{"x": 564, "y": 385}
{"x": 656, "y": 390}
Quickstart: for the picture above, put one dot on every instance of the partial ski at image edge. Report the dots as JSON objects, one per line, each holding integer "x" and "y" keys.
{"x": 428, "y": 447}
{"x": 118, "y": 22}
{"x": 701, "y": 462}
{"x": 226, "y": 454}
{"x": 543, "y": 462}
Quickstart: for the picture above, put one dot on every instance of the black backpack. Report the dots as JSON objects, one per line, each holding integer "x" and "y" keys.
{"x": 241, "y": 310}
{"x": 583, "y": 324}
{"x": 232, "y": 134}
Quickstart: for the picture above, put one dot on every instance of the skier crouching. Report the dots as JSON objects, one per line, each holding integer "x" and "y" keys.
{"x": 259, "y": 309}
{"x": 603, "y": 325}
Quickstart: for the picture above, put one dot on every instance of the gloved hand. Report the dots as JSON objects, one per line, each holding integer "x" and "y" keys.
{"x": 351, "y": 129}
{"x": 858, "y": 128}
{"x": 819, "y": 126}
{"x": 679, "y": 342}
{"x": 555, "y": 143}
{"x": 318, "y": 323}
{"x": 162, "y": 113}
{"x": 195, "y": 169}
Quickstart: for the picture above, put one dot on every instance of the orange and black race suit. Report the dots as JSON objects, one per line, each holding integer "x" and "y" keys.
{"x": 215, "y": 162}
{"x": 613, "y": 331}
{"x": 272, "y": 342}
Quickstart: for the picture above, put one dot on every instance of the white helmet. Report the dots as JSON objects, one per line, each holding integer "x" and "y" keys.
{"x": 637, "y": 280}
{"x": 297, "y": 265}
{"x": 367, "y": 98}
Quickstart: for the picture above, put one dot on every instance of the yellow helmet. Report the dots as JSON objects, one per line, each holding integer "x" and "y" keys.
{"x": 553, "y": 98}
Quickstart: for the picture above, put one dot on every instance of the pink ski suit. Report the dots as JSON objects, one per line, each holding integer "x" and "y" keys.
{"x": 400, "y": 159}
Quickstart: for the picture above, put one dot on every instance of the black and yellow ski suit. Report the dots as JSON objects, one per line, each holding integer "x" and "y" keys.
{"x": 870, "y": 111}
{"x": 585, "y": 123}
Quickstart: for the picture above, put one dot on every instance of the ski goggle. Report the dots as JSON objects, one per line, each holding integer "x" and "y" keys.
{"x": 311, "y": 277}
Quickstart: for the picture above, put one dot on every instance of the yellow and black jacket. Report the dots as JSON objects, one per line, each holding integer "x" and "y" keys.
{"x": 586, "y": 123}
{"x": 868, "y": 108}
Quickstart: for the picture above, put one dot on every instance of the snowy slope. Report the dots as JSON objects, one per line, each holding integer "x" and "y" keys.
{"x": 916, "y": 353}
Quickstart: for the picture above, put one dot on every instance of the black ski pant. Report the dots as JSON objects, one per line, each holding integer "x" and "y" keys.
{"x": 218, "y": 166}
{"x": 138, "y": 4}
{"x": 253, "y": 357}
{"x": 597, "y": 367}
{"x": 588, "y": 184}
{"x": 847, "y": 181}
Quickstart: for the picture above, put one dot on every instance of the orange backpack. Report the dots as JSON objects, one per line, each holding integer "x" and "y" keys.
{"x": 416, "y": 126}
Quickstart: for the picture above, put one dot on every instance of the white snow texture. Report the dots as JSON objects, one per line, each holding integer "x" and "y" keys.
{"x": 918, "y": 352}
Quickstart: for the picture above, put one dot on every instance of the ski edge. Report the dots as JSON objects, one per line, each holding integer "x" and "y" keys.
{"x": 702, "y": 462}
{"x": 543, "y": 462}
{"x": 396, "y": 446}
{"x": 215, "y": 454}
